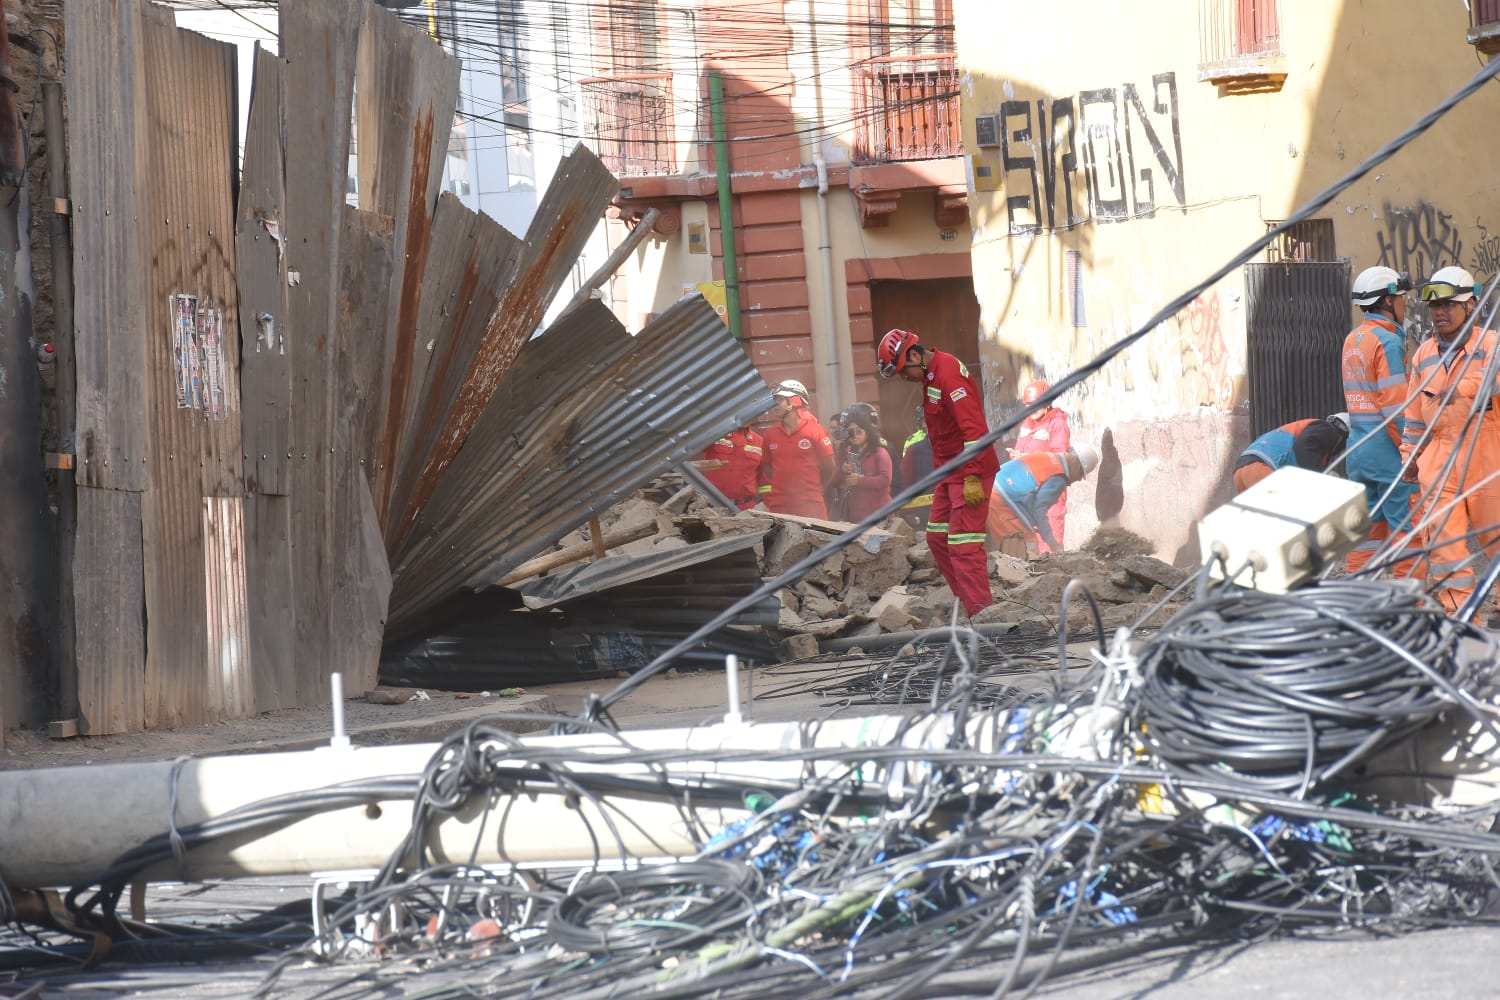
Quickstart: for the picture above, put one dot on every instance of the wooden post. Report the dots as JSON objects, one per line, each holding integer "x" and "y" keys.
{"x": 596, "y": 535}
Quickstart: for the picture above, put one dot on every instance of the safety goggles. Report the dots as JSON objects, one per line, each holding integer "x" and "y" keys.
{"x": 886, "y": 370}
{"x": 1442, "y": 291}
{"x": 1400, "y": 285}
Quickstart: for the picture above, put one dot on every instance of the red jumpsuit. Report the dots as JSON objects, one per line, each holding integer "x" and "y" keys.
{"x": 1047, "y": 431}
{"x": 741, "y": 452}
{"x": 795, "y": 467}
{"x": 954, "y": 415}
{"x": 1444, "y": 420}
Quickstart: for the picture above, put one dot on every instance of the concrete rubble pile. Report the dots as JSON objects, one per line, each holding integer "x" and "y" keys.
{"x": 887, "y": 581}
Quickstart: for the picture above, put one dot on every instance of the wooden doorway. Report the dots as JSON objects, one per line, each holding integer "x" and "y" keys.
{"x": 944, "y": 313}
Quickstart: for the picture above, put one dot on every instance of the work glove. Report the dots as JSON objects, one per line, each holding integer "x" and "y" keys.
{"x": 973, "y": 491}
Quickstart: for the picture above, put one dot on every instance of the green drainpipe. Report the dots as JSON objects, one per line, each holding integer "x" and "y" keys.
{"x": 726, "y": 203}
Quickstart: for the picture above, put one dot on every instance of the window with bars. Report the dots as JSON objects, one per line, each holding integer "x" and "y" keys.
{"x": 1240, "y": 44}
{"x": 1307, "y": 241}
{"x": 907, "y": 83}
{"x": 630, "y": 109}
{"x": 1484, "y": 25}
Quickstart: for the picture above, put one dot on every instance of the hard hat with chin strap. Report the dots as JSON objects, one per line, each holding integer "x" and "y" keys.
{"x": 1087, "y": 457}
{"x": 1375, "y": 283}
{"x": 790, "y": 387}
{"x": 891, "y": 356}
{"x": 1033, "y": 391}
{"x": 1340, "y": 421}
{"x": 1449, "y": 284}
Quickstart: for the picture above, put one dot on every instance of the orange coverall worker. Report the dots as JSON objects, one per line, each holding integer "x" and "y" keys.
{"x": 741, "y": 452}
{"x": 1047, "y": 432}
{"x": 1374, "y": 389}
{"x": 795, "y": 466}
{"x": 954, "y": 416}
{"x": 1439, "y": 409}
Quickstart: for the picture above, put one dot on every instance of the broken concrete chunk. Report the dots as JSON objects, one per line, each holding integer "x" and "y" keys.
{"x": 389, "y": 696}
{"x": 786, "y": 545}
{"x": 896, "y": 619}
{"x": 816, "y": 604}
{"x": 796, "y": 647}
{"x": 789, "y": 620}
{"x": 896, "y": 597}
{"x": 1152, "y": 571}
{"x": 1010, "y": 570}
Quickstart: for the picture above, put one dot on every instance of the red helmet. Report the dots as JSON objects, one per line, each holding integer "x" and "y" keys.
{"x": 1033, "y": 391}
{"x": 892, "y": 353}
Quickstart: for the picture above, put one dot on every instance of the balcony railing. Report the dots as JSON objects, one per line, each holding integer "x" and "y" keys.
{"x": 1240, "y": 40}
{"x": 910, "y": 106}
{"x": 631, "y": 123}
{"x": 1484, "y": 25}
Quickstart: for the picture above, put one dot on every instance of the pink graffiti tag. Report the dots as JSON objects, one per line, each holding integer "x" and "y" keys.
{"x": 1208, "y": 337}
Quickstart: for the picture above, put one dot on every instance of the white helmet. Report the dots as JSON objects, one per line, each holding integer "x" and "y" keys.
{"x": 1449, "y": 284}
{"x": 790, "y": 387}
{"x": 1375, "y": 283}
{"x": 1340, "y": 421}
{"x": 1087, "y": 457}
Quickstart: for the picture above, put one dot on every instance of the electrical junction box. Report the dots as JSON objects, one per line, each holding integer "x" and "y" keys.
{"x": 1283, "y": 531}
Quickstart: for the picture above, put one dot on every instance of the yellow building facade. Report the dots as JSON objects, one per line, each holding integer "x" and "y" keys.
{"x": 1119, "y": 153}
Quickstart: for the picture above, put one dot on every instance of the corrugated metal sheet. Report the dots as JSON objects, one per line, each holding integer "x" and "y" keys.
{"x": 194, "y": 452}
{"x": 574, "y": 203}
{"x": 319, "y": 44}
{"x": 588, "y": 415}
{"x": 382, "y": 401}
{"x": 625, "y": 569}
{"x": 106, "y": 91}
{"x": 615, "y": 614}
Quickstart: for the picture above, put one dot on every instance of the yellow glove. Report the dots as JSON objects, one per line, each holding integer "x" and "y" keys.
{"x": 973, "y": 491}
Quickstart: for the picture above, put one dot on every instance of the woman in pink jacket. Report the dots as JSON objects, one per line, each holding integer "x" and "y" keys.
{"x": 864, "y": 466}
{"x": 1045, "y": 430}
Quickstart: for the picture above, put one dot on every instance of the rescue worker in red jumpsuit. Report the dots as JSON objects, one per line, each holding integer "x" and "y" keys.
{"x": 798, "y": 459}
{"x": 732, "y": 464}
{"x": 954, "y": 415}
{"x": 1444, "y": 418}
{"x": 1045, "y": 430}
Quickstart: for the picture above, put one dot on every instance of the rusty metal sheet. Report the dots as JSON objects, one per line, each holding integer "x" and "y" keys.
{"x": 189, "y": 133}
{"x": 361, "y": 576}
{"x": 106, "y": 97}
{"x": 270, "y": 601}
{"x": 472, "y": 257}
{"x": 586, "y": 415}
{"x": 574, "y": 204}
{"x": 408, "y": 88}
{"x": 318, "y": 45}
{"x": 265, "y": 366}
{"x": 110, "y": 598}
{"x": 660, "y": 579}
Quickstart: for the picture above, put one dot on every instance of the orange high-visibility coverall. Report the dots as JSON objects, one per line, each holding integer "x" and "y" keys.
{"x": 1374, "y": 375}
{"x": 1440, "y": 408}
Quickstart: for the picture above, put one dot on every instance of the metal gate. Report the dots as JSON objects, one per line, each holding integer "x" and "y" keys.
{"x": 1297, "y": 316}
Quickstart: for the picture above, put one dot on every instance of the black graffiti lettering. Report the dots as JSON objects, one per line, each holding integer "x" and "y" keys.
{"x": 1418, "y": 240}
{"x": 1146, "y": 206}
{"x": 1486, "y": 260}
{"x": 1102, "y": 146}
{"x": 1114, "y": 122}
{"x": 1062, "y": 109}
{"x": 1022, "y": 135}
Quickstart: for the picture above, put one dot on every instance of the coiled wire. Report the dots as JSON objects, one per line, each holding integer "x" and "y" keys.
{"x": 1286, "y": 691}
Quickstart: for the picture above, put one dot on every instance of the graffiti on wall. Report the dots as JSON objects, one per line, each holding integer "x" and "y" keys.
{"x": 1120, "y": 149}
{"x": 1484, "y": 257}
{"x": 1205, "y": 322}
{"x": 1418, "y": 239}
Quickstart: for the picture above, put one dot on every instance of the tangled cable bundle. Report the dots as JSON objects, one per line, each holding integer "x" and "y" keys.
{"x": 1286, "y": 691}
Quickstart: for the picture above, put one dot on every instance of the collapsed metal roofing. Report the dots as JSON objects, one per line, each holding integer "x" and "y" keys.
{"x": 585, "y": 416}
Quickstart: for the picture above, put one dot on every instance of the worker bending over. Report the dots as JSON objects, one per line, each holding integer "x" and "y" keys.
{"x": 1028, "y": 485}
{"x": 1307, "y": 444}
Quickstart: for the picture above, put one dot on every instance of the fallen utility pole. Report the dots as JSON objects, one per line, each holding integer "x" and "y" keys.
{"x": 76, "y": 822}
